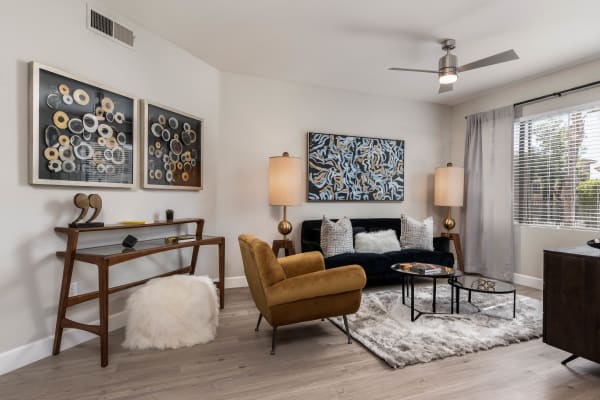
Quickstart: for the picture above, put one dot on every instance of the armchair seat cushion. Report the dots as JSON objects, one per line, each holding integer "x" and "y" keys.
{"x": 317, "y": 284}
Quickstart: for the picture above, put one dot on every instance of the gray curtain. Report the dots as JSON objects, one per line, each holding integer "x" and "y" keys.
{"x": 487, "y": 222}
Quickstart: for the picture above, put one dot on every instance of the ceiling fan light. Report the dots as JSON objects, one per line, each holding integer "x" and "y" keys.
{"x": 447, "y": 78}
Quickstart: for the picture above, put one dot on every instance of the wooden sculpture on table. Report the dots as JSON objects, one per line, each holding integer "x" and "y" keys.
{"x": 85, "y": 202}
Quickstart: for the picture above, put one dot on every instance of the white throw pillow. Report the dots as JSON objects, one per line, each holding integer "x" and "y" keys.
{"x": 336, "y": 237}
{"x": 416, "y": 234}
{"x": 376, "y": 242}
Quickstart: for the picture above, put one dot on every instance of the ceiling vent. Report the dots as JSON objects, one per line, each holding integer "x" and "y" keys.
{"x": 106, "y": 26}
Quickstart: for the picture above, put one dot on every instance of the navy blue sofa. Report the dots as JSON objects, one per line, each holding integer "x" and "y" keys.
{"x": 377, "y": 266}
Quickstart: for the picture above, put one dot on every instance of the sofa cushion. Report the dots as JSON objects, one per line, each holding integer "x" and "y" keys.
{"x": 377, "y": 266}
{"x": 372, "y": 263}
{"x": 416, "y": 234}
{"x": 420, "y": 255}
{"x": 311, "y": 232}
{"x": 336, "y": 237}
{"x": 376, "y": 242}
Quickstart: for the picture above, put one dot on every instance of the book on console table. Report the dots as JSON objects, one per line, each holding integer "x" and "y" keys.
{"x": 180, "y": 239}
{"x": 425, "y": 269}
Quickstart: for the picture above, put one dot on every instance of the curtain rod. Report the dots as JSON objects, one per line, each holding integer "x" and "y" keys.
{"x": 555, "y": 94}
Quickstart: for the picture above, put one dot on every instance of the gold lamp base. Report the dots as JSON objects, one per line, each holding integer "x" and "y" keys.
{"x": 449, "y": 222}
{"x": 284, "y": 227}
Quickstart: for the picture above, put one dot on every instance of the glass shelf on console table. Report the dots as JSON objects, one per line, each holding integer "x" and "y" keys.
{"x": 105, "y": 256}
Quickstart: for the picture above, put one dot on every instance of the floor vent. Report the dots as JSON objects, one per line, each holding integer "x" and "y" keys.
{"x": 108, "y": 27}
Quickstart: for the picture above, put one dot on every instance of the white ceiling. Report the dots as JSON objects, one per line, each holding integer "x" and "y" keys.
{"x": 348, "y": 44}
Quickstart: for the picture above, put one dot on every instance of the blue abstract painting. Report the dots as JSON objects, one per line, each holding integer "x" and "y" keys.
{"x": 352, "y": 168}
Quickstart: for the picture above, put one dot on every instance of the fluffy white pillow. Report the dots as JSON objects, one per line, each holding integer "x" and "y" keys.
{"x": 172, "y": 312}
{"x": 376, "y": 242}
{"x": 336, "y": 237}
{"x": 416, "y": 234}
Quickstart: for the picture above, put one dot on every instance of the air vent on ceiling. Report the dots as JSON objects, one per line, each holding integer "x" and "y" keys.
{"x": 106, "y": 26}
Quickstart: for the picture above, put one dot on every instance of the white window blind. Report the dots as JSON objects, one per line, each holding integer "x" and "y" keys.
{"x": 556, "y": 168}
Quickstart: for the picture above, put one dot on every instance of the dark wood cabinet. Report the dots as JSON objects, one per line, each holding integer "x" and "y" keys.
{"x": 572, "y": 301}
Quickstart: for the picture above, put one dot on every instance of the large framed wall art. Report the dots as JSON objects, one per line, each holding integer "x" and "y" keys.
{"x": 352, "y": 168}
{"x": 172, "y": 143}
{"x": 82, "y": 134}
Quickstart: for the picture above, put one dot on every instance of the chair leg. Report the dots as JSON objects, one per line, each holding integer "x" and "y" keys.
{"x": 273, "y": 340}
{"x": 347, "y": 329}
{"x": 258, "y": 323}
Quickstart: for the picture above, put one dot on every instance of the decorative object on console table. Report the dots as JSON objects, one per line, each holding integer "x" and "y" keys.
{"x": 110, "y": 255}
{"x": 169, "y": 214}
{"x": 352, "y": 168}
{"x": 85, "y": 202}
{"x": 449, "y": 192}
{"x": 572, "y": 301}
{"x": 81, "y": 133}
{"x": 172, "y": 143}
{"x": 129, "y": 241}
{"x": 285, "y": 189}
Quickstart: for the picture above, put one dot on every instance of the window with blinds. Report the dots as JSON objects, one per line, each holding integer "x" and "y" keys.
{"x": 556, "y": 168}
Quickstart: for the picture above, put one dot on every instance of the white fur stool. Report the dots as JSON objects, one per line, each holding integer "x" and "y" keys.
{"x": 172, "y": 312}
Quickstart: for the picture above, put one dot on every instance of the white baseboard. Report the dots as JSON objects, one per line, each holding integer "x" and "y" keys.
{"x": 32, "y": 352}
{"x": 529, "y": 281}
{"x": 235, "y": 282}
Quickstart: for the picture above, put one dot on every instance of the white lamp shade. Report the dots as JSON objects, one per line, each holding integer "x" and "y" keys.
{"x": 449, "y": 186}
{"x": 285, "y": 180}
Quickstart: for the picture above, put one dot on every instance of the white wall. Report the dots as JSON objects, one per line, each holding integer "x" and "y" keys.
{"x": 262, "y": 118}
{"x": 259, "y": 118}
{"x": 530, "y": 241}
{"x": 54, "y": 33}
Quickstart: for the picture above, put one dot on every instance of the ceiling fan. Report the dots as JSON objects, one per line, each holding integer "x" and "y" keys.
{"x": 448, "y": 65}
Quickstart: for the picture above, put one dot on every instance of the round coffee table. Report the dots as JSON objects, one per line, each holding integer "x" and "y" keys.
{"x": 480, "y": 284}
{"x": 407, "y": 272}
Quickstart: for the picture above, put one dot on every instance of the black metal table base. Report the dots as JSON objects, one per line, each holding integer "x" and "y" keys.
{"x": 469, "y": 291}
{"x": 418, "y": 313}
{"x": 454, "y": 300}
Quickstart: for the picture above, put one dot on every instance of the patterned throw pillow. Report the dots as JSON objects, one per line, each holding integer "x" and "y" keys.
{"x": 415, "y": 234}
{"x": 336, "y": 237}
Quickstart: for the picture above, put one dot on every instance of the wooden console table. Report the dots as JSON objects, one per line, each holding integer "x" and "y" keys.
{"x": 106, "y": 256}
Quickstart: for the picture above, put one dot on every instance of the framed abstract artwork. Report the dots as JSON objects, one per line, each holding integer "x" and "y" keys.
{"x": 82, "y": 134}
{"x": 172, "y": 148}
{"x": 353, "y": 168}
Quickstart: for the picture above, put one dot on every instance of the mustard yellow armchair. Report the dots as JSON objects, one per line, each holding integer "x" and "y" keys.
{"x": 298, "y": 288}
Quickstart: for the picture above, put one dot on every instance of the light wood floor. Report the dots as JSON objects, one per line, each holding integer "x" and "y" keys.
{"x": 313, "y": 362}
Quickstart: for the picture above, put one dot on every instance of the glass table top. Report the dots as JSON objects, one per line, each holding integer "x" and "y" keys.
{"x": 409, "y": 269}
{"x": 482, "y": 284}
{"x": 114, "y": 249}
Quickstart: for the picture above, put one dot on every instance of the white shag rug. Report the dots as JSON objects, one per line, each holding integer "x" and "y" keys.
{"x": 171, "y": 312}
{"x": 383, "y": 326}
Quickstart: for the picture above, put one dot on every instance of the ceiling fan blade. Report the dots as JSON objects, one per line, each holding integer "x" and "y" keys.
{"x": 505, "y": 56}
{"x": 445, "y": 88}
{"x": 413, "y": 70}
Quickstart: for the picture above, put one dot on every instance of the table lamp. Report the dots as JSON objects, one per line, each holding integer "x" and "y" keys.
{"x": 448, "y": 190}
{"x": 285, "y": 186}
